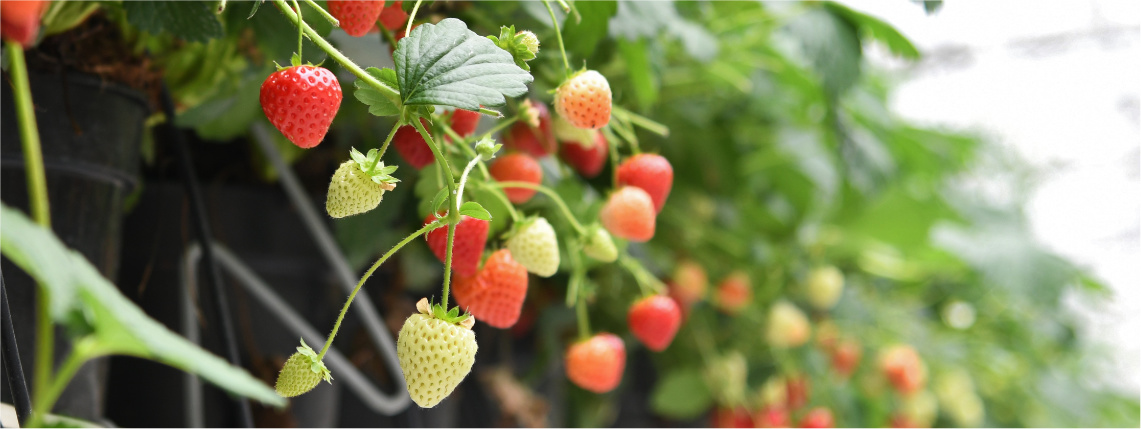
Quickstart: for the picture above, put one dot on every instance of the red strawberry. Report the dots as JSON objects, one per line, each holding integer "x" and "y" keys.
{"x": 596, "y": 364}
{"x": 495, "y": 294}
{"x": 467, "y": 246}
{"x": 655, "y": 320}
{"x": 771, "y": 417}
{"x": 689, "y": 283}
{"x": 903, "y": 368}
{"x": 588, "y": 161}
{"x": 538, "y": 142}
{"x": 20, "y": 20}
{"x": 734, "y": 293}
{"x": 650, "y": 172}
{"x": 412, "y": 147}
{"x": 724, "y": 417}
{"x": 818, "y": 417}
{"x": 629, "y": 214}
{"x": 517, "y": 167}
{"x": 584, "y": 100}
{"x": 464, "y": 122}
{"x": 301, "y": 102}
{"x": 393, "y": 16}
{"x": 845, "y": 357}
{"x": 797, "y": 390}
{"x": 357, "y": 17}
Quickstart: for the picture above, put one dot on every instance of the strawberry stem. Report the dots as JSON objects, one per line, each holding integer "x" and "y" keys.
{"x": 300, "y": 32}
{"x": 453, "y": 214}
{"x": 324, "y": 14}
{"x": 550, "y": 193}
{"x": 647, "y": 282}
{"x": 641, "y": 121}
{"x": 577, "y": 273}
{"x": 583, "y": 319}
{"x": 407, "y": 32}
{"x": 613, "y": 156}
{"x": 367, "y": 274}
{"x": 387, "y": 140}
{"x": 559, "y": 36}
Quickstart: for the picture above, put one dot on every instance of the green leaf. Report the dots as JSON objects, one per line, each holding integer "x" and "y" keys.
{"x": 191, "y": 21}
{"x": 230, "y": 112}
{"x": 447, "y": 64}
{"x": 643, "y": 78}
{"x": 871, "y": 27}
{"x": 681, "y": 394}
{"x": 475, "y": 210}
{"x": 830, "y": 45}
{"x": 378, "y": 104}
{"x": 77, "y": 292}
{"x": 254, "y": 10}
{"x": 581, "y": 38}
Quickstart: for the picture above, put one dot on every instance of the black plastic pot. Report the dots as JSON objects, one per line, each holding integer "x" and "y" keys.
{"x": 90, "y": 132}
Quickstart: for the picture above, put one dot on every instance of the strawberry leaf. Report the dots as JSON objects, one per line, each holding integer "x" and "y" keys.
{"x": 473, "y": 209}
{"x": 447, "y": 64}
{"x": 378, "y": 103}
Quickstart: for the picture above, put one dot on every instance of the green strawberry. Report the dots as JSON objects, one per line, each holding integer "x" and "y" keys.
{"x": 301, "y": 373}
{"x": 535, "y": 246}
{"x": 359, "y": 185}
{"x": 599, "y": 245}
{"x": 436, "y": 349}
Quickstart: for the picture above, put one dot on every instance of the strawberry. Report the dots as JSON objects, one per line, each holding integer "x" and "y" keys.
{"x": 357, "y": 17}
{"x": 301, "y": 102}
{"x": 690, "y": 283}
{"x": 818, "y": 417}
{"x": 629, "y": 214}
{"x": 533, "y": 243}
{"x": 920, "y": 408}
{"x": 464, "y": 122}
{"x": 587, "y": 161}
{"x": 724, "y": 417}
{"x": 301, "y": 373}
{"x": 904, "y": 368}
{"x": 412, "y": 147}
{"x": 771, "y": 417}
{"x": 599, "y": 245}
{"x": 787, "y": 326}
{"x": 358, "y": 185}
{"x": 495, "y": 294}
{"x": 727, "y": 378}
{"x": 436, "y": 350}
{"x": 654, "y": 320}
{"x": 734, "y": 293}
{"x": 20, "y": 20}
{"x": 650, "y": 172}
{"x": 797, "y": 390}
{"x": 467, "y": 245}
{"x": 584, "y": 100}
{"x": 393, "y": 16}
{"x": 824, "y": 287}
{"x": 845, "y": 357}
{"x": 596, "y": 364}
{"x": 517, "y": 167}
{"x": 535, "y": 140}
{"x": 901, "y": 421}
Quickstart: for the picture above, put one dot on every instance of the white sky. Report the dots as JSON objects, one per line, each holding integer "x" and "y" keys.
{"x": 1057, "y": 82}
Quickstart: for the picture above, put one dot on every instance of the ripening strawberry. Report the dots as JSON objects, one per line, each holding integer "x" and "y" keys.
{"x": 734, "y": 293}
{"x": 358, "y": 185}
{"x": 797, "y": 390}
{"x": 412, "y": 147}
{"x": 845, "y": 356}
{"x": 517, "y": 167}
{"x": 584, "y": 100}
{"x": 301, "y": 373}
{"x": 818, "y": 417}
{"x": 495, "y": 294}
{"x": 771, "y": 417}
{"x": 393, "y": 16}
{"x": 651, "y": 172}
{"x": 20, "y": 20}
{"x": 725, "y": 417}
{"x": 690, "y": 283}
{"x": 301, "y": 102}
{"x": 596, "y": 364}
{"x": 435, "y": 354}
{"x": 629, "y": 214}
{"x": 587, "y": 161}
{"x": 824, "y": 287}
{"x": 535, "y": 245}
{"x": 654, "y": 320}
{"x": 904, "y": 368}
{"x": 357, "y": 17}
{"x": 537, "y": 141}
{"x": 787, "y": 326}
{"x": 467, "y": 245}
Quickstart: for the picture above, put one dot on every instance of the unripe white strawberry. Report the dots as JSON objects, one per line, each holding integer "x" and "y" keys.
{"x": 920, "y": 408}
{"x": 824, "y": 287}
{"x": 535, "y": 246}
{"x": 599, "y": 245}
{"x": 727, "y": 375}
{"x": 436, "y": 350}
{"x": 301, "y": 373}
{"x": 358, "y": 185}
{"x": 787, "y": 326}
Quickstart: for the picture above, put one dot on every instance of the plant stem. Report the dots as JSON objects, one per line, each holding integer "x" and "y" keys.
{"x": 559, "y": 36}
{"x": 463, "y": 181}
{"x": 453, "y": 215}
{"x": 46, "y": 399}
{"x": 335, "y": 54}
{"x": 583, "y": 319}
{"x": 387, "y": 140}
{"x": 577, "y": 272}
{"x": 407, "y": 32}
{"x": 325, "y": 14}
{"x": 641, "y": 121}
{"x": 647, "y": 283}
{"x": 38, "y": 202}
{"x": 550, "y": 193}
{"x": 367, "y": 274}
{"x": 300, "y": 33}
{"x": 613, "y": 157}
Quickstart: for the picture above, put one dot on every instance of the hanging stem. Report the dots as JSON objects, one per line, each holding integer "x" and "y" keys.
{"x": 613, "y": 157}
{"x": 407, "y": 32}
{"x": 641, "y": 121}
{"x": 324, "y": 14}
{"x": 583, "y": 319}
{"x": 300, "y": 32}
{"x": 577, "y": 273}
{"x": 387, "y": 140}
{"x": 463, "y": 181}
{"x": 550, "y": 193}
{"x": 367, "y": 274}
{"x": 558, "y": 35}
{"x": 453, "y": 215}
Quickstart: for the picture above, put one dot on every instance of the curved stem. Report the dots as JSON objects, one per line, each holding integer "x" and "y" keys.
{"x": 453, "y": 215}
{"x": 45, "y": 399}
{"x": 558, "y": 35}
{"x": 550, "y": 193}
{"x": 583, "y": 319}
{"x": 499, "y": 127}
{"x": 324, "y": 13}
{"x": 641, "y": 121}
{"x": 463, "y": 181}
{"x": 387, "y": 140}
{"x": 407, "y": 32}
{"x": 300, "y": 33}
{"x": 647, "y": 283}
{"x": 367, "y": 274}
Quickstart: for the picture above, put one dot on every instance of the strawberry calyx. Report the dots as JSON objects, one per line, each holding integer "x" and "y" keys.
{"x": 523, "y": 45}
{"x": 440, "y": 311}
{"x": 371, "y": 165}
{"x": 315, "y": 363}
